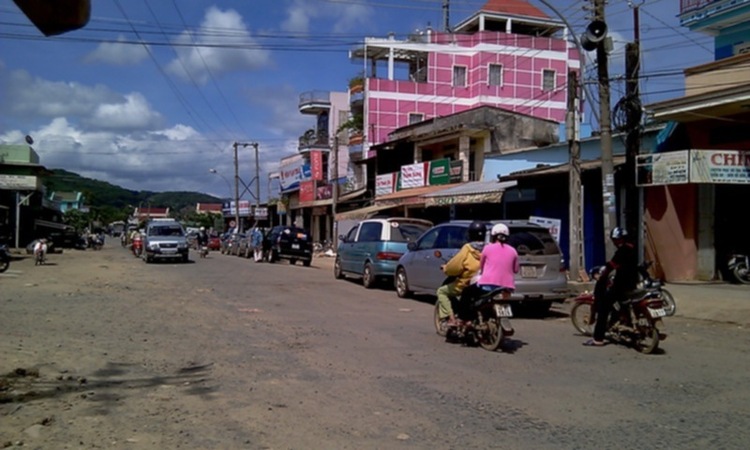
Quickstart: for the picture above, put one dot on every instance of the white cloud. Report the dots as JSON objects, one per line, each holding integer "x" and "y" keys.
{"x": 118, "y": 53}
{"x": 133, "y": 114}
{"x": 344, "y": 17}
{"x": 218, "y": 29}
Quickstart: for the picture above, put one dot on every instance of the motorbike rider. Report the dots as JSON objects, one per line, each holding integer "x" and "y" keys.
{"x": 499, "y": 262}
{"x": 202, "y": 238}
{"x": 463, "y": 266}
{"x": 624, "y": 264}
{"x": 40, "y": 249}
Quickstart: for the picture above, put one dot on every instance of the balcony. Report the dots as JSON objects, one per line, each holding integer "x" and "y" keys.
{"x": 313, "y": 140}
{"x": 712, "y": 16}
{"x": 314, "y": 102}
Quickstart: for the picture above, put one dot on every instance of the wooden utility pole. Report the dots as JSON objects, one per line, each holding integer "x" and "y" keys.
{"x": 609, "y": 201}
{"x": 576, "y": 260}
{"x": 633, "y": 201}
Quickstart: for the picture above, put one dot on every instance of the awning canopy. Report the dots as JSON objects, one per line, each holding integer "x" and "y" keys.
{"x": 468, "y": 193}
{"x": 54, "y": 225}
{"x": 410, "y": 197}
{"x": 362, "y": 213}
{"x": 352, "y": 195}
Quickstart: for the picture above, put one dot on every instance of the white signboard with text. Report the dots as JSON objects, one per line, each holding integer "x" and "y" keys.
{"x": 553, "y": 225}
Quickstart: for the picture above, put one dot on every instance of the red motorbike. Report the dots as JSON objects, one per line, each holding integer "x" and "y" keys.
{"x": 137, "y": 246}
{"x": 635, "y": 322}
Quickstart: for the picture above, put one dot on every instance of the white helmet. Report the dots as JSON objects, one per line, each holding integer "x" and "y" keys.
{"x": 500, "y": 229}
{"x": 203, "y": 228}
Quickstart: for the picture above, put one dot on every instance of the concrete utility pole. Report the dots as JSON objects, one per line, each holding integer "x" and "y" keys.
{"x": 335, "y": 190}
{"x": 236, "y": 189}
{"x": 633, "y": 194}
{"x": 576, "y": 252}
{"x": 609, "y": 202}
{"x": 446, "y": 16}
{"x": 257, "y": 181}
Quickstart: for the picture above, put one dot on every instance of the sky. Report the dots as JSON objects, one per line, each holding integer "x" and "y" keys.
{"x": 151, "y": 95}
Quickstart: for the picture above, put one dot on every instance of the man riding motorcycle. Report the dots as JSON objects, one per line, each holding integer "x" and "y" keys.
{"x": 625, "y": 265}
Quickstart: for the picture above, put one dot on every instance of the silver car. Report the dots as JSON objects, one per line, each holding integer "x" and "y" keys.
{"x": 540, "y": 282}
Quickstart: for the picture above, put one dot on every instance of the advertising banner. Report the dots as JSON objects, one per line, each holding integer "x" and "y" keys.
{"x": 316, "y": 162}
{"x": 324, "y": 192}
{"x": 720, "y": 166}
{"x": 457, "y": 171}
{"x": 662, "y": 168}
{"x": 260, "y": 213}
{"x": 553, "y": 225}
{"x": 18, "y": 182}
{"x": 439, "y": 172}
{"x": 385, "y": 184}
{"x": 227, "y": 209}
{"x": 413, "y": 175}
{"x": 306, "y": 191}
{"x": 290, "y": 171}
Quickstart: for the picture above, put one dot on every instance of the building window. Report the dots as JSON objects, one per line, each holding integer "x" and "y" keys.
{"x": 548, "y": 80}
{"x": 495, "y": 75}
{"x": 459, "y": 76}
{"x": 415, "y": 118}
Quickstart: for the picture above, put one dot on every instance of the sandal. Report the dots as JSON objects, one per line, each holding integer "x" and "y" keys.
{"x": 593, "y": 343}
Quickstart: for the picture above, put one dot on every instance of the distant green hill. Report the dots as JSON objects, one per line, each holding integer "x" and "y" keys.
{"x": 115, "y": 200}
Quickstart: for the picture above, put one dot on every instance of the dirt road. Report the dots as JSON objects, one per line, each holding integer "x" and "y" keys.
{"x": 100, "y": 350}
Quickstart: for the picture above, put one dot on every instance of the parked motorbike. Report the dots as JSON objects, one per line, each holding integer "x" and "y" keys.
{"x": 647, "y": 282}
{"x": 204, "y": 251}
{"x": 484, "y": 318}
{"x": 739, "y": 268}
{"x": 4, "y": 258}
{"x": 635, "y": 322}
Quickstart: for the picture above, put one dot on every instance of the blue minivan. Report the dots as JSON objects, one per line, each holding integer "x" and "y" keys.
{"x": 372, "y": 248}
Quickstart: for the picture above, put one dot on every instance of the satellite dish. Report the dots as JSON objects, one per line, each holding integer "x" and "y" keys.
{"x": 29, "y": 140}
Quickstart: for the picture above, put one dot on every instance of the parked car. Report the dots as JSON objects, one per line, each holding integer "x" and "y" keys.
{"x": 287, "y": 242}
{"x": 372, "y": 248}
{"x": 245, "y": 246}
{"x": 540, "y": 282}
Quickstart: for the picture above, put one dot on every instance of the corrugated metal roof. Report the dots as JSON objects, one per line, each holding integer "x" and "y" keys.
{"x": 474, "y": 188}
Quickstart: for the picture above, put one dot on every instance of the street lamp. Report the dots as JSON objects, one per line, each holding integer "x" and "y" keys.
{"x": 216, "y": 172}
{"x": 236, "y": 200}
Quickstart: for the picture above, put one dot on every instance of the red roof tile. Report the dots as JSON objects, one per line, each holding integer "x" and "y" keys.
{"x": 514, "y": 7}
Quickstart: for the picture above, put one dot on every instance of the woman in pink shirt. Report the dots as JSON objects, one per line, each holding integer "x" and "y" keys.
{"x": 499, "y": 261}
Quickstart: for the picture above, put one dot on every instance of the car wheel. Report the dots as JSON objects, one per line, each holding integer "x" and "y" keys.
{"x": 307, "y": 262}
{"x": 402, "y": 284}
{"x": 272, "y": 257}
{"x": 337, "y": 272}
{"x": 185, "y": 258}
{"x": 368, "y": 279}
{"x": 292, "y": 261}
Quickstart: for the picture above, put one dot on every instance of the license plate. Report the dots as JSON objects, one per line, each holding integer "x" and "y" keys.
{"x": 528, "y": 271}
{"x": 169, "y": 250}
{"x": 503, "y": 310}
{"x": 295, "y": 246}
{"x": 657, "y": 312}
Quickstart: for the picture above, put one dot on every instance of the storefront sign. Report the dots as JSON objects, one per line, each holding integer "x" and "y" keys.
{"x": 316, "y": 162}
{"x": 662, "y": 168}
{"x": 227, "y": 209}
{"x": 413, "y": 175}
{"x": 439, "y": 172}
{"x": 720, "y": 166}
{"x": 260, "y": 213}
{"x": 553, "y": 225}
{"x": 456, "y": 171}
{"x": 319, "y": 211}
{"x": 324, "y": 192}
{"x": 464, "y": 199}
{"x": 290, "y": 171}
{"x": 385, "y": 184}
{"x": 306, "y": 191}
{"x": 18, "y": 182}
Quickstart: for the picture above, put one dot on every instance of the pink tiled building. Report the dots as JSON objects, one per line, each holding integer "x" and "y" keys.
{"x": 509, "y": 55}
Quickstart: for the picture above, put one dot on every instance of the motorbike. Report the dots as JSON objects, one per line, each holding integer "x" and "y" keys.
{"x": 137, "y": 246}
{"x": 484, "y": 318}
{"x": 4, "y": 258}
{"x": 204, "y": 251}
{"x": 647, "y": 282}
{"x": 739, "y": 268}
{"x": 635, "y": 321}
{"x": 39, "y": 258}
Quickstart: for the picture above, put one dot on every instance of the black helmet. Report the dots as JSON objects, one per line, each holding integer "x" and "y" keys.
{"x": 618, "y": 233}
{"x": 477, "y": 231}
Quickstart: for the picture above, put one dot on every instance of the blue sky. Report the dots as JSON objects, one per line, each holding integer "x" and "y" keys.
{"x": 151, "y": 94}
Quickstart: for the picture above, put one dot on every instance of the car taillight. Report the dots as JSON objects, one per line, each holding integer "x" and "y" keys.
{"x": 562, "y": 265}
{"x": 388, "y": 256}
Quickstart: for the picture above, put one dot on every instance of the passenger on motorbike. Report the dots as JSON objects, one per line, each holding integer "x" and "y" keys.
{"x": 463, "y": 266}
{"x": 624, "y": 263}
{"x": 499, "y": 262}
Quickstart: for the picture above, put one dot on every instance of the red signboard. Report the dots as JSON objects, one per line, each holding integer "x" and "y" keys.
{"x": 306, "y": 191}
{"x": 316, "y": 163}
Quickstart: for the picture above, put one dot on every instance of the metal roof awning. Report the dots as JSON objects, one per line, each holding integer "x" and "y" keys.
{"x": 352, "y": 195}
{"x": 362, "y": 213}
{"x": 55, "y": 225}
{"x": 468, "y": 193}
{"x": 410, "y": 197}
{"x": 560, "y": 169}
